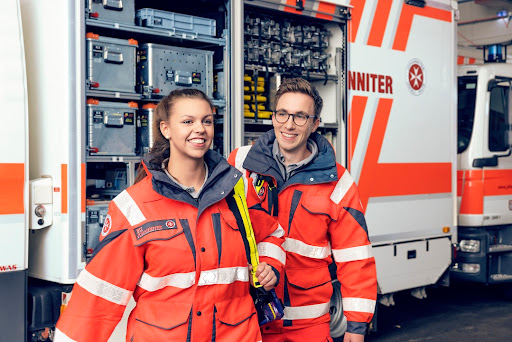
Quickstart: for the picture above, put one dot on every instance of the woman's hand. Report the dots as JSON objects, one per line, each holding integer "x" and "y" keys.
{"x": 265, "y": 274}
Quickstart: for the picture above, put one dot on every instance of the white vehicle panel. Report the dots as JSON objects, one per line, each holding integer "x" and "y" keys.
{"x": 398, "y": 218}
{"x": 56, "y": 102}
{"x": 402, "y": 266}
{"x": 13, "y": 139}
{"x": 497, "y": 210}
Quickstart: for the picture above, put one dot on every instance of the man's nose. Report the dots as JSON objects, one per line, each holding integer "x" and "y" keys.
{"x": 290, "y": 123}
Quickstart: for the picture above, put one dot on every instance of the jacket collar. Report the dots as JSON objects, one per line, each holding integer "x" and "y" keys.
{"x": 322, "y": 169}
{"x": 222, "y": 178}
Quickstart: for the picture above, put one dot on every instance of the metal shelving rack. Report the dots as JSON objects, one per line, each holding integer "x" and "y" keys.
{"x": 221, "y": 44}
{"x": 250, "y": 127}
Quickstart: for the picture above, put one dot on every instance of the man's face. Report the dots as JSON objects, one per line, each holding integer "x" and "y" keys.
{"x": 292, "y": 139}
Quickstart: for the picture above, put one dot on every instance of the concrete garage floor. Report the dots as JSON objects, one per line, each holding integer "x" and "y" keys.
{"x": 462, "y": 312}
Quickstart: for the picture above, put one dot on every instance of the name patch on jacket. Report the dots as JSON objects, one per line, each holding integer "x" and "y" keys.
{"x": 154, "y": 226}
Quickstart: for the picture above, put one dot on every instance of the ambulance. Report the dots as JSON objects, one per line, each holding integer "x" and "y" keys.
{"x": 388, "y": 79}
{"x": 484, "y": 174}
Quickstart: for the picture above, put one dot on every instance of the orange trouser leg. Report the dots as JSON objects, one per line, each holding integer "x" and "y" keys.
{"x": 316, "y": 333}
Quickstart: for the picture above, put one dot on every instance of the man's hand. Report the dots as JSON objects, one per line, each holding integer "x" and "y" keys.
{"x": 265, "y": 275}
{"x": 353, "y": 337}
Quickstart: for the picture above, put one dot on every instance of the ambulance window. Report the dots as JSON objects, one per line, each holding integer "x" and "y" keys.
{"x": 466, "y": 110}
{"x": 498, "y": 118}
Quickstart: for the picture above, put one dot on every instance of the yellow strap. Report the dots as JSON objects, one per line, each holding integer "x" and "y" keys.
{"x": 249, "y": 233}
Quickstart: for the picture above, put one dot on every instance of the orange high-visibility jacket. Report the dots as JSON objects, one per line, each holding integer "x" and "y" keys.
{"x": 183, "y": 261}
{"x": 320, "y": 211}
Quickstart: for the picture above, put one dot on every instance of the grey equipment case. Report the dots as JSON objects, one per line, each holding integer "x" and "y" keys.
{"x": 119, "y": 11}
{"x": 163, "y": 68}
{"x": 111, "y": 63}
{"x": 111, "y": 128}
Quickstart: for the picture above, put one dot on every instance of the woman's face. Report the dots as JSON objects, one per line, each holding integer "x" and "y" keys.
{"x": 190, "y": 128}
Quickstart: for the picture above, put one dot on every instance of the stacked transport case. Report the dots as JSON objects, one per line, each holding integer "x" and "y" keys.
{"x": 125, "y": 79}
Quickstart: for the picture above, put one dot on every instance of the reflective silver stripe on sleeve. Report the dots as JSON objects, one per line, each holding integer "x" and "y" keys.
{"x": 270, "y": 250}
{"x": 301, "y": 248}
{"x": 358, "y": 304}
{"x": 224, "y": 276}
{"x": 61, "y": 337}
{"x": 103, "y": 289}
{"x": 129, "y": 208}
{"x": 180, "y": 280}
{"x": 279, "y": 232}
{"x": 342, "y": 187}
{"x": 353, "y": 253}
{"x": 306, "y": 312}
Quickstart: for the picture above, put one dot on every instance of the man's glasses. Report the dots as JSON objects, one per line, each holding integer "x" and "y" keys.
{"x": 299, "y": 119}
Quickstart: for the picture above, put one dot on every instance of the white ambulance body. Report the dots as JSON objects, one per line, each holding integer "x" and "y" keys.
{"x": 401, "y": 137}
{"x": 13, "y": 175}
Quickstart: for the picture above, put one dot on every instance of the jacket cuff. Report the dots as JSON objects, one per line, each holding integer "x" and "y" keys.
{"x": 277, "y": 275}
{"x": 357, "y": 327}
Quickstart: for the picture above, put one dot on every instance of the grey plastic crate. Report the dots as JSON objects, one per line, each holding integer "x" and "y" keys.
{"x": 111, "y": 63}
{"x": 111, "y": 128}
{"x": 119, "y": 11}
{"x": 176, "y": 22}
{"x": 163, "y": 68}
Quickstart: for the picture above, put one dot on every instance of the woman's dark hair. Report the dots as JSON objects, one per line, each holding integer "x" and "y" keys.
{"x": 161, "y": 150}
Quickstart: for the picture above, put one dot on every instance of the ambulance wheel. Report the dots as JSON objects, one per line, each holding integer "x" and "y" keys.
{"x": 338, "y": 322}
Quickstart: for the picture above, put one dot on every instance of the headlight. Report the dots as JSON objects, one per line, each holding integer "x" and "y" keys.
{"x": 470, "y": 268}
{"x": 469, "y": 246}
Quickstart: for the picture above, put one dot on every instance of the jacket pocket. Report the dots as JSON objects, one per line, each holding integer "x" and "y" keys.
{"x": 161, "y": 321}
{"x": 237, "y": 320}
{"x": 319, "y": 205}
{"x": 229, "y": 218}
{"x": 309, "y": 286}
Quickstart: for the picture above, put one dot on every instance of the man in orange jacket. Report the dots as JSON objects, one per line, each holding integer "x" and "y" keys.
{"x": 292, "y": 173}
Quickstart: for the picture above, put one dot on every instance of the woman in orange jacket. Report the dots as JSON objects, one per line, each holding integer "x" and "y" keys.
{"x": 172, "y": 241}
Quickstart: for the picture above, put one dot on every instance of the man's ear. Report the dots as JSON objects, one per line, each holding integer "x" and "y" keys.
{"x": 316, "y": 123}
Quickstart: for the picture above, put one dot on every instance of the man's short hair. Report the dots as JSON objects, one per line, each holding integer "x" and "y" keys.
{"x": 300, "y": 85}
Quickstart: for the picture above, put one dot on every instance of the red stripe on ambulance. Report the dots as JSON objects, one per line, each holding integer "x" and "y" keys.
{"x": 397, "y": 179}
{"x": 405, "y": 23}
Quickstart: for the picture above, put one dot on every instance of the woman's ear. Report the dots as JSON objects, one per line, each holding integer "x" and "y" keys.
{"x": 164, "y": 128}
